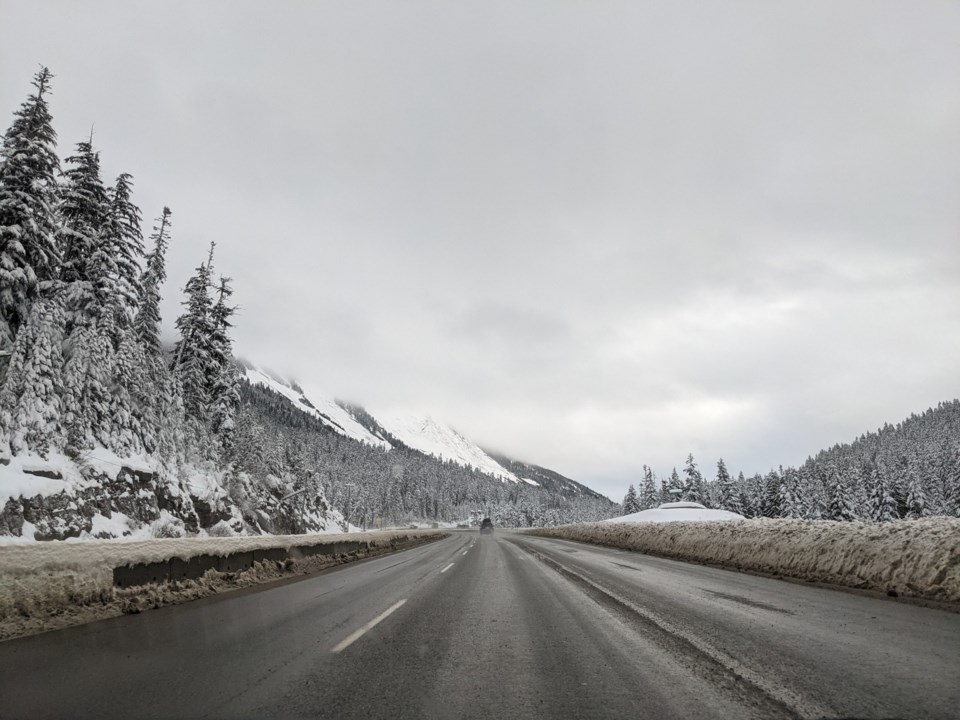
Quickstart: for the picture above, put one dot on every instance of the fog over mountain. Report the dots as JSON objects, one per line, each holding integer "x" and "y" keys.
{"x": 587, "y": 235}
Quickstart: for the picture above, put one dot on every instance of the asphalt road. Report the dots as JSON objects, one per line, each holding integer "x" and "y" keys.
{"x": 501, "y": 626}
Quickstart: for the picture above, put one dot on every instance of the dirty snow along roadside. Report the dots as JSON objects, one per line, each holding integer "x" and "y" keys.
{"x": 56, "y": 584}
{"x": 914, "y": 558}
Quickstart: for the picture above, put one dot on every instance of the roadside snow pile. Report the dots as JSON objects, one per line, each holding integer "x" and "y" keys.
{"x": 677, "y": 512}
{"x": 916, "y": 558}
{"x": 44, "y": 586}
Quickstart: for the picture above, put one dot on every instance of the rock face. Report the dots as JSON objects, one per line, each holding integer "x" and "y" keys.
{"x": 166, "y": 507}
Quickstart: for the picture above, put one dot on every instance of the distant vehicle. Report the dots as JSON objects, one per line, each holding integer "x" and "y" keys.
{"x": 486, "y": 527}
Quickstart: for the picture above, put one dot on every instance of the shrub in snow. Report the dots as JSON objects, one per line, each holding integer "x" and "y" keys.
{"x": 221, "y": 529}
{"x": 168, "y": 527}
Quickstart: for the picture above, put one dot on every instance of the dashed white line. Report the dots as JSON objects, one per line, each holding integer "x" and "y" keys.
{"x": 357, "y": 634}
{"x": 446, "y": 568}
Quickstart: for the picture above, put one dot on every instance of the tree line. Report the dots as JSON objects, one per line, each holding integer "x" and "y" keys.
{"x": 81, "y": 359}
{"x": 908, "y": 470}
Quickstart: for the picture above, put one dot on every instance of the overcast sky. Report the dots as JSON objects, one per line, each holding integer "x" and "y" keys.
{"x": 590, "y": 234}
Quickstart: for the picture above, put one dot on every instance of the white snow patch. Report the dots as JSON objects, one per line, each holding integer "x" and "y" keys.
{"x": 16, "y": 479}
{"x": 106, "y": 462}
{"x": 325, "y": 409}
{"x": 531, "y": 482}
{"x": 430, "y": 437}
{"x": 677, "y": 512}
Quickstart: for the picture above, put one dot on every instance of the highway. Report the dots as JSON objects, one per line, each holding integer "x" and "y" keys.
{"x": 502, "y": 626}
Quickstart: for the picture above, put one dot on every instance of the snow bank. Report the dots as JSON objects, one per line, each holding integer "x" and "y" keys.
{"x": 51, "y": 585}
{"x": 677, "y": 512}
{"x": 916, "y": 558}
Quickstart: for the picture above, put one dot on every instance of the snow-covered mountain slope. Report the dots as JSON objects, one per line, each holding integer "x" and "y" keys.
{"x": 326, "y": 410}
{"x": 432, "y": 438}
{"x": 544, "y": 477}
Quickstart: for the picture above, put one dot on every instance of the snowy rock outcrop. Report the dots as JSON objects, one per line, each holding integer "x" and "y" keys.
{"x": 103, "y": 496}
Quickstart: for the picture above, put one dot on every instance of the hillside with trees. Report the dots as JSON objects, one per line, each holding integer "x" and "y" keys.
{"x": 907, "y": 470}
{"x": 105, "y": 432}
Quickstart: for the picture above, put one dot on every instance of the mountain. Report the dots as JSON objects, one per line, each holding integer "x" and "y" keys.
{"x": 430, "y": 437}
{"x": 416, "y": 432}
{"x": 544, "y": 477}
{"x": 332, "y": 414}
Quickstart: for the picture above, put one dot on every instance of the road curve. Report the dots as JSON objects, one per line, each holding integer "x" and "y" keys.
{"x": 500, "y": 626}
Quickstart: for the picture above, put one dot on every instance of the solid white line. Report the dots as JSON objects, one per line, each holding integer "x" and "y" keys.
{"x": 357, "y": 634}
{"x": 446, "y": 568}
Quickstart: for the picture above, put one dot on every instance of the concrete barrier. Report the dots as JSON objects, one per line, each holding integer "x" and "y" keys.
{"x": 197, "y": 566}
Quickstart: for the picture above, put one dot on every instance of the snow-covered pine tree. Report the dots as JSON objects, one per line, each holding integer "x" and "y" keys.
{"x": 883, "y": 508}
{"x": 630, "y": 505}
{"x": 30, "y": 407}
{"x": 146, "y": 324}
{"x": 124, "y": 241}
{"x": 224, "y": 392}
{"x": 771, "y": 495}
{"x": 727, "y": 497}
{"x": 756, "y": 489}
{"x": 88, "y": 388}
{"x": 916, "y": 497}
{"x": 840, "y": 507}
{"x": 29, "y": 254}
{"x": 673, "y": 486}
{"x": 743, "y": 497}
{"x": 648, "y": 496}
{"x": 192, "y": 361}
{"x": 790, "y": 503}
{"x": 87, "y": 263}
{"x": 693, "y": 489}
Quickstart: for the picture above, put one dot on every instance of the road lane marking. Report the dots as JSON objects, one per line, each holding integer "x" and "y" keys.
{"x": 446, "y": 568}
{"x": 357, "y": 634}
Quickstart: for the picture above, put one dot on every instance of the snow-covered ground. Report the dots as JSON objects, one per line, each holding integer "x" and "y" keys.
{"x": 325, "y": 409}
{"x": 56, "y": 584}
{"x": 918, "y": 558}
{"x": 677, "y": 512}
{"x": 432, "y": 438}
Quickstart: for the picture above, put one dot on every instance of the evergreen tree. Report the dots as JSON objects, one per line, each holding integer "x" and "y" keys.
{"x": 916, "y": 497}
{"x": 124, "y": 243}
{"x": 883, "y": 508}
{"x": 147, "y": 321}
{"x": 673, "y": 486}
{"x": 727, "y": 497}
{"x": 88, "y": 386}
{"x": 790, "y": 503}
{"x": 693, "y": 489}
{"x": 742, "y": 496}
{"x": 630, "y": 504}
{"x": 30, "y": 407}
{"x": 772, "y": 505}
{"x": 192, "y": 361}
{"x": 29, "y": 165}
{"x": 224, "y": 392}
{"x": 88, "y": 264}
{"x": 840, "y": 507}
{"x": 648, "y": 497}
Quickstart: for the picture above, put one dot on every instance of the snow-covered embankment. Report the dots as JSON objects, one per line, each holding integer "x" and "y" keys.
{"x": 914, "y": 558}
{"x": 45, "y": 586}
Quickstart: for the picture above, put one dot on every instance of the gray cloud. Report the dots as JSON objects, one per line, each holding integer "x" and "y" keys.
{"x": 590, "y": 234}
